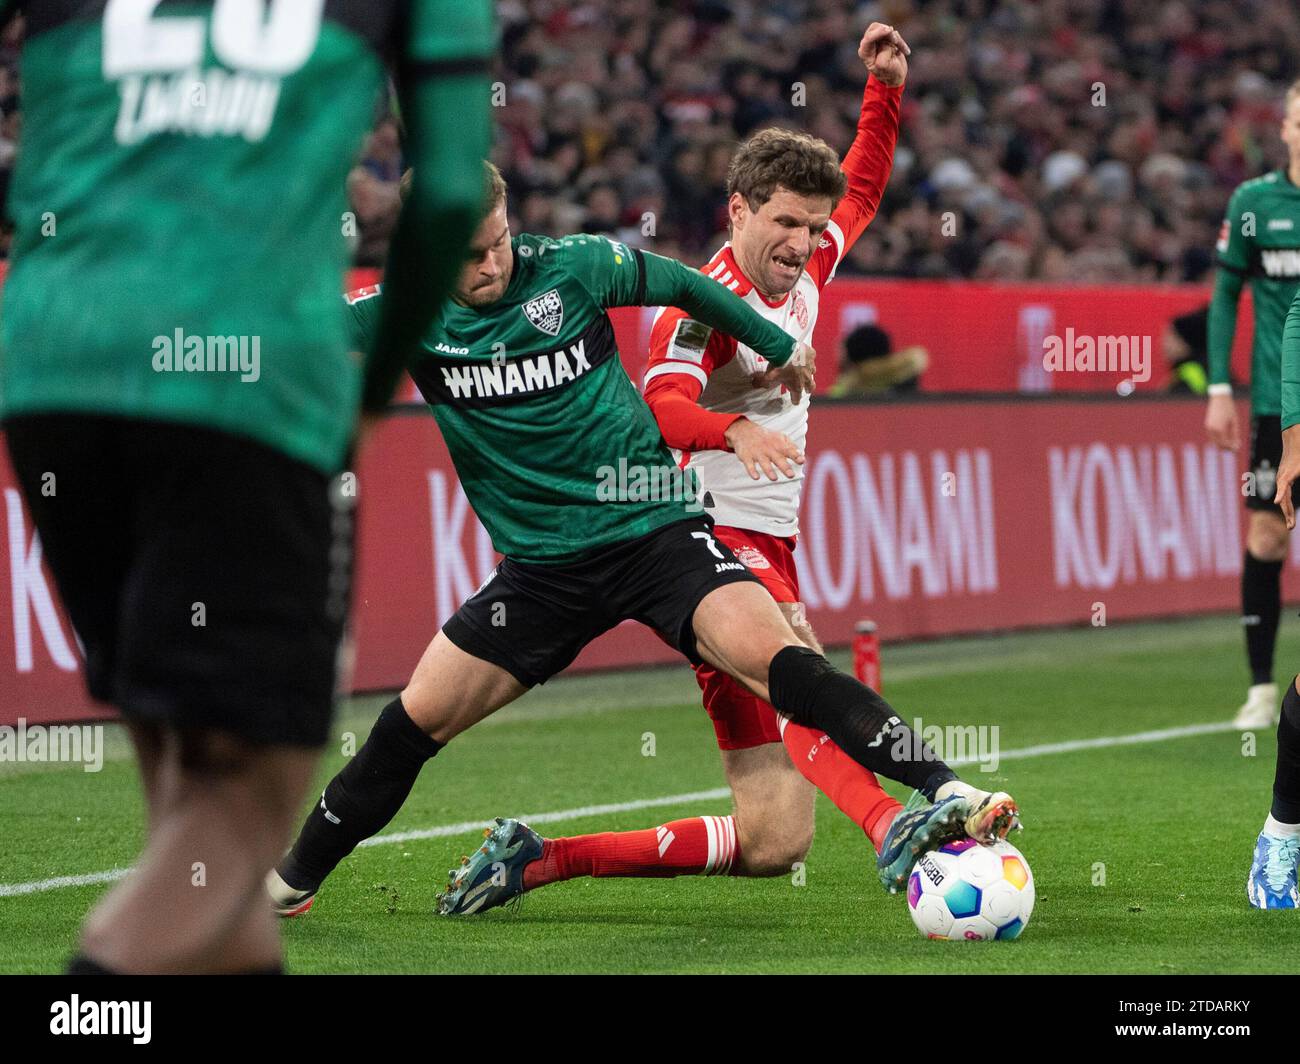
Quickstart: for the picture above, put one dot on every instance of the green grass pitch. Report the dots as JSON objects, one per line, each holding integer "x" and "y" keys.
{"x": 1169, "y": 823}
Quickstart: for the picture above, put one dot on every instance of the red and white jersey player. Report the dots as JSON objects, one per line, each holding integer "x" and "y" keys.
{"x": 795, "y": 210}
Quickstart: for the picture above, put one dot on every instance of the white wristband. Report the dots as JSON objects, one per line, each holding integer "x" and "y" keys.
{"x": 1219, "y": 389}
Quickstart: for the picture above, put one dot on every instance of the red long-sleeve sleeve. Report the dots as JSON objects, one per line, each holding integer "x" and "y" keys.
{"x": 867, "y": 165}
{"x": 683, "y": 353}
{"x": 683, "y": 423}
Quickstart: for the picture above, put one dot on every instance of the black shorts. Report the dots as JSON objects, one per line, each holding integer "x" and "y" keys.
{"x": 532, "y": 620}
{"x": 206, "y": 575}
{"x": 1265, "y": 457}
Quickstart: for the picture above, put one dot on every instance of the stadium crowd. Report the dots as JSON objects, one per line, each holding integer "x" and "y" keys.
{"x": 1059, "y": 140}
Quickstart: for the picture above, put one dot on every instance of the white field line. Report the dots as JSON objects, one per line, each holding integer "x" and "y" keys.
{"x": 40, "y": 886}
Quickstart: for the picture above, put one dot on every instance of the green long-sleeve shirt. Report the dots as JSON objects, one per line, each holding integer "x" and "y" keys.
{"x": 553, "y": 444}
{"x": 1260, "y": 245}
{"x": 178, "y": 250}
{"x": 1290, "y": 376}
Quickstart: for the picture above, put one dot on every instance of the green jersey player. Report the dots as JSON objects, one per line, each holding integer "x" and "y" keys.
{"x": 522, "y": 375}
{"x": 1272, "y": 880}
{"x": 1260, "y": 246}
{"x": 178, "y": 390}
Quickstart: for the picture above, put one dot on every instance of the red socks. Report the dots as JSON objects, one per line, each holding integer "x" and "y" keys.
{"x": 699, "y": 845}
{"x": 855, "y": 790}
{"x": 707, "y": 844}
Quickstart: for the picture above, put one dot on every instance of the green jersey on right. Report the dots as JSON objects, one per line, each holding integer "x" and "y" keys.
{"x": 1259, "y": 244}
{"x": 1290, "y": 377}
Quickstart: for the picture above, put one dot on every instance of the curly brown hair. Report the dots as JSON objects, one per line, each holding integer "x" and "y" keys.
{"x": 806, "y": 165}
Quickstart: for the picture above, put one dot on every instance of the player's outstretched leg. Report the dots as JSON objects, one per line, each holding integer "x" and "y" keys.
{"x": 768, "y": 833}
{"x": 450, "y": 691}
{"x": 1272, "y": 881}
{"x": 744, "y": 723}
{"x": 514, "y": 858}
{"x": 210, "y": 793}
{"x": 741, "y": 631}
{"x": 356, "y": 803}
{"x": 1261, "y": 608}
{"x": 900, "y": 835}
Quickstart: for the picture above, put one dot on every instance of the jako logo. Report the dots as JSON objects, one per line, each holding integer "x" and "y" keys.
{"x": 1099, "y": 354}
{"x": 132, "y": 1018}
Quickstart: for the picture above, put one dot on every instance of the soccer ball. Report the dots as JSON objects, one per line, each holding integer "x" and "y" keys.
{"x": 969, "y": 891}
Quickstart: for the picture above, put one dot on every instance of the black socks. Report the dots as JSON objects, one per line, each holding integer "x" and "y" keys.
{"x": 361, "y": 799}
{"x": 1261, "y": 606}
{"x": 83, "y": 965}
{"x": 1286, "y": 778}
{"x": 806, "y": 688}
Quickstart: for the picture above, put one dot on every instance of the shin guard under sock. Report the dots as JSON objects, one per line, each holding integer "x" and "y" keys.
{"x": 1261, "y": 607}
{"x": 806, "y": 688}
{"x": 361, "y": 799}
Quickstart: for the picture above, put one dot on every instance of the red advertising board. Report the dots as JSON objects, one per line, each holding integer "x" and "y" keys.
{"x": 987, "y": 337}
{"x": 930, "y": 517}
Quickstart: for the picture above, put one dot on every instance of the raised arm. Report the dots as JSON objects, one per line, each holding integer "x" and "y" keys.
{"x": 1234, "y": 248}
{"x": 442, "y": 80}
{"x": 870, "y": 158}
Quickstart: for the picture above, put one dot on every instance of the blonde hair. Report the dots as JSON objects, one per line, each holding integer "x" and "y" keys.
{"x": 492, "y": 179}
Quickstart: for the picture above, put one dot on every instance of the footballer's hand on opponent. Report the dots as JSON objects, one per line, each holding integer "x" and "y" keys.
{"x": 1221, "y": 422}
{"x": 884, "y": 53}
{"x": 1287, "y": 472}
{"x": 797, "y": 376}
{"x": 761, "y": 450}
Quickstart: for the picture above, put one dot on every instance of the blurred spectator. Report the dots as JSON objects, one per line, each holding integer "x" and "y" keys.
{"x": 1185, "y": 344}
{"x": 870, "y": 366}
{"x": 382, "y": 155}
{"x": 375, "y": 205}
{"x": 1057, "y": 140}
{"x": 1076, "y": 141}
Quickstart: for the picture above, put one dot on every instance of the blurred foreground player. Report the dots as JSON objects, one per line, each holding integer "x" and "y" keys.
{"x": 178, "y": 393}
{"x": 1272, "y": 882}
{"x": 1259, "y": 244}
{"x": 523, "y": 375}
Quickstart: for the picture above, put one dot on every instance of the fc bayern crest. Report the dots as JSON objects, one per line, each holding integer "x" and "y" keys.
{"x": 546, "y": 312}
{"x": 800, "y": 310}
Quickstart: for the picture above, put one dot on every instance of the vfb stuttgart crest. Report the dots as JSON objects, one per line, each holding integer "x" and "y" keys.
{"x": 546, "y": 312}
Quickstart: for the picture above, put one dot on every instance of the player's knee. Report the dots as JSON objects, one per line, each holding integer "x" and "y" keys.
{"x": 256, "y": 787}
{"x": 1267, "y": 538}
{"x": 774, "y": 851}
{"x": 809, "y": 638}
{"x": 778, "y": 857}
{"x": 213, "y": 754}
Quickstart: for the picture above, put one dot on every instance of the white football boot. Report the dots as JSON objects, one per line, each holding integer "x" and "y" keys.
{"x": 286, "y": 900}
{"x": 1260, "y": 708}
{"x": 991, "y": 815}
